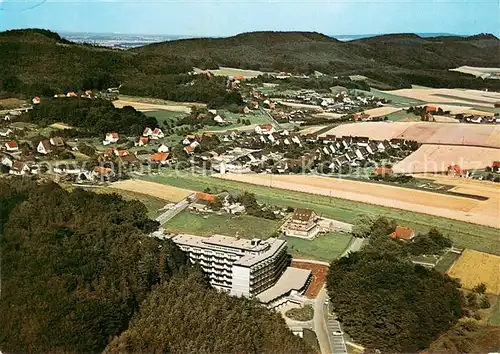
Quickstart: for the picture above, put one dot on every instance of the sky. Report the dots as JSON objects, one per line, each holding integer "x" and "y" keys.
{"x": 216, "y": 18}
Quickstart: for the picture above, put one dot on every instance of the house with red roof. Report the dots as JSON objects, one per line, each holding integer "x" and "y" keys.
{"x": 121, "y": 153}
{"x": 430, "y": 109}
{"x": 157, "y": 134}
{"x": 111, "y": 138}
{"x": 495, "y": 166}
{"x": 264, "y": 129}
{"x": 11, "y": 146}
{"x": 36, "y": 100}
{"x": 403, "y": 233}
{"x": 454, "y": 171}
{"x": 383, "y": 171}
{"x": 141, "y": 141}
{"x": 160, "y": 157}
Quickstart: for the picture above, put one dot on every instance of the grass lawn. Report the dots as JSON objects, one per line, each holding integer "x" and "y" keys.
{"x": 463, "y": 235}
{"x": 311, "y": 339}
{"x": 152, "y": 204}
{"x": 164, "y": 116}
{"x": 494, "y": 314}
{"x": 400, "y": 115}
{"x": 305, "y": 313}
{"x": 323, "y": 248}
{"x": 209, "y": 224}
{"x": 446, "y": 262}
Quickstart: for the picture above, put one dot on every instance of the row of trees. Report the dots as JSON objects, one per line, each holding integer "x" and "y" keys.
{"x": 77, "y": 267}
{"x": 91, "y": 116}
{"x": 385, "y": 301}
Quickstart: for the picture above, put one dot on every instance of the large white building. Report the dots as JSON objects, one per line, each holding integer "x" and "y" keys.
{"x": 241, "y": 267}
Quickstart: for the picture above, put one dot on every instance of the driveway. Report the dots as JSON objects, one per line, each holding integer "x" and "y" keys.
{"x": 319, "y": 323}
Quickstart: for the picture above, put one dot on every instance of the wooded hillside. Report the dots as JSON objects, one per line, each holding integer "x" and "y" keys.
{"x": 78, "y": 266}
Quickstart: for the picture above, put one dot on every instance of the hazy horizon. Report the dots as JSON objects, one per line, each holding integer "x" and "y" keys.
{"x": 212, "y": 18}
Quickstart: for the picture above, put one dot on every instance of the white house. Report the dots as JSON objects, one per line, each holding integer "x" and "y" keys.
{"x": 111, "y": 138}
{"x": 265, "y": 129}
{"x": 11, "y": 146}
{"x": 5, "y": 132}
{"x": 219, "y": 119}
{"x": 163, "y": 148}
{"x": 147, "y": 132}
{"x": 6, "y": 161}
{"x": 157, "y": 134}
{"x": 44, "y": 147}
{"x": 19, "y": 168}
{"x": 36, "y": 100}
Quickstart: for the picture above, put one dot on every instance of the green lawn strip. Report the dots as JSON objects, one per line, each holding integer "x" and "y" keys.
{"x": 244, "y": 225}
{"x": 463, "y": 234}
{"x": 494, "y": 316}
{"x": 305, "y": 313}
{"x": 400, "y": 115}
{"x": 446, "y": 262}
{"x": 164, "y": 116}
{"x": 323, "y": 248}
{"x": 153, "y": 204}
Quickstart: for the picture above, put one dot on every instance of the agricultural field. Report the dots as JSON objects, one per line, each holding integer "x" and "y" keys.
{"x": 231, "y": 72}
{"x": 325, "y": 247}
{"x": 437, "y": 158}
{"x": 381, "y": 111}
{"x": 154, "y": 104}
{"x": 473, "y": 268}
{"x": 60, "y": 126}
{"x": 467, "y": 97}
{"x": 453, "y": 207}
{"x": 463, "y": 234}
{"x": 424, "y": 132}
{"x": 397, "y": 101}
{"x": 484, "y": 73}
{"x": 165, "y": 192}
{"x": 210, "y": 224}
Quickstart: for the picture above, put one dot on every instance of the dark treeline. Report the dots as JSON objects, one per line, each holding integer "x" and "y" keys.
{"x": 215, "y": 322}
{"x": 77, "y": 267}
{"x": 91, "y": 116}
{"x": 385, "y": 301}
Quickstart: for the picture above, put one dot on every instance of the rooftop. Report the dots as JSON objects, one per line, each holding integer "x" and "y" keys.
{"x": 292, "y": 279}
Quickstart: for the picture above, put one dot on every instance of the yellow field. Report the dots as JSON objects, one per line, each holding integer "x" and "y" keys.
{"x": 475, "y": 267}
{"x": 162, "y": 191}
{"x": 60, "y": 126}
{"x": 381, "y": 111}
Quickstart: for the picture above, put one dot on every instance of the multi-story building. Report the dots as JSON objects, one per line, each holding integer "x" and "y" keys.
{"x": 240, "y": 266}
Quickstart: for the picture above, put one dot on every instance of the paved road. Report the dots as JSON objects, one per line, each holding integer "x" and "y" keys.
{"x": 169, "y": 214}
{"x": 319, "y": 322}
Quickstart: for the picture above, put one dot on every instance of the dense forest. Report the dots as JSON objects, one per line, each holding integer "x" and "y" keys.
{"x": 216, "y": 323}
{"x": 91, "y": 116}
{"x": 77, "y": 268}
{"x": 37, "y": 62}
{"x": 386, "y": 302}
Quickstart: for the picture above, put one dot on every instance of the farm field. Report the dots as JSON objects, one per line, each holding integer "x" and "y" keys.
{"x": 477, "y": 71}
{"x": 463, "y": 234}
{"x": 444, "y": 119}
{"x": 209, "y": 224}
{"x": 397, "y": 101}
{"x": 473, "y": 268}
{"x": 144, "y": 106}
{"x": 471, "y": 97}
{"x": 319, "y": 272}
{"x": 60, "y": 126}
{"x": 225, "y": 71}
{"x": 437, "y": 158}
{"x": 424, "y": 132}
{"x": 325, "y": 247}
{"x": 458, "y": 208}
{"x": 165, "y": 192}
{"x": 382, "y": 111}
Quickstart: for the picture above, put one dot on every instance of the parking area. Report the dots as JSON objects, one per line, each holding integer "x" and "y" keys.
{"x": 336, "y": 335}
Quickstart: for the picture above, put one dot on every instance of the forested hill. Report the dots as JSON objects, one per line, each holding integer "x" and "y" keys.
{"x": 40, "y": 62}
{"x": 406, "y": 56}
{"x": 78, "y": 270}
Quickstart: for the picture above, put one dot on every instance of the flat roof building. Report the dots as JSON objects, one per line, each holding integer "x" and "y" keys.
{"x": 240, "y": 266}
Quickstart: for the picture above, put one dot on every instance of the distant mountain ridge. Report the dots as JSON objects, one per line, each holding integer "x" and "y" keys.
{"x": 36, "y": 60}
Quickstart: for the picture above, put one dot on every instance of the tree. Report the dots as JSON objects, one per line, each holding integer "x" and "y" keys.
{"x": 480, "y": 288}
{"x": 362, "y": 226}
{"x": 387, "y": 303}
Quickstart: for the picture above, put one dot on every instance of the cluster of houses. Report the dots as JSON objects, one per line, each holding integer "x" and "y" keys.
{"x": 246, "y": 150}
{"x": 480, "y": 119}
